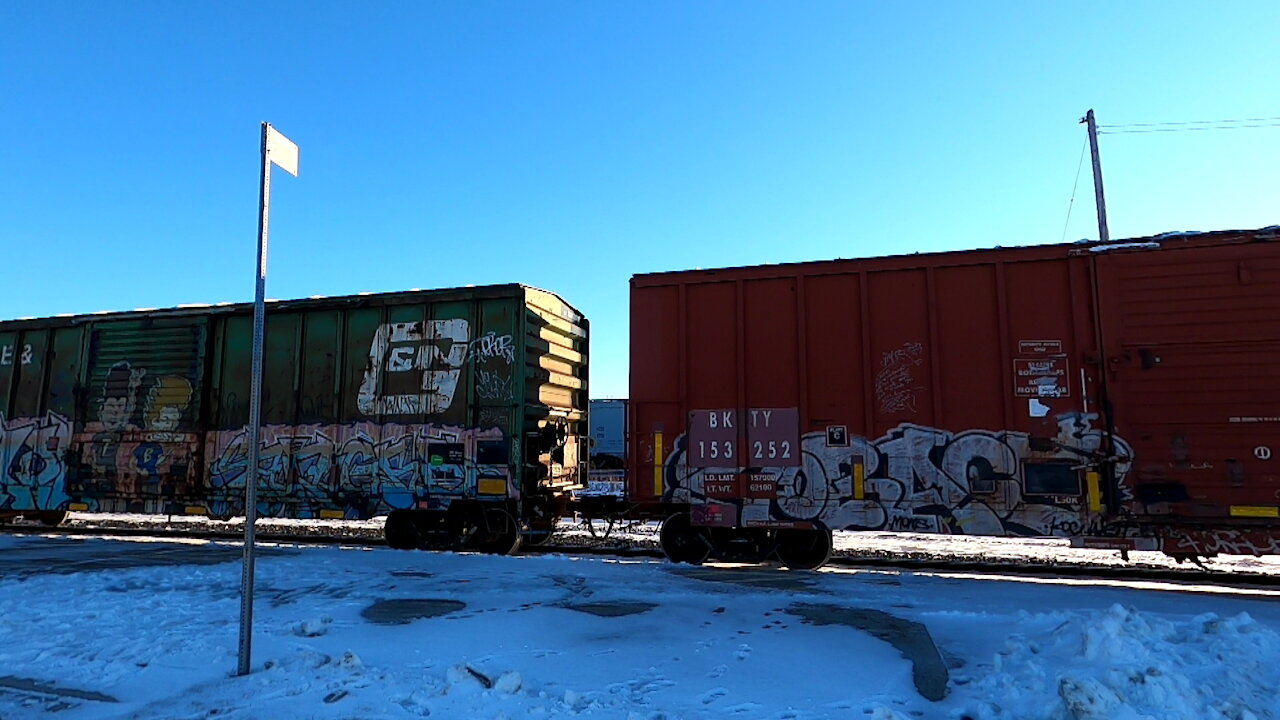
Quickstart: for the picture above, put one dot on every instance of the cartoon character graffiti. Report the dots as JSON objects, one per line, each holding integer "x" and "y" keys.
{"x": 167, "y": 400}
{"x": 115, "y": 409}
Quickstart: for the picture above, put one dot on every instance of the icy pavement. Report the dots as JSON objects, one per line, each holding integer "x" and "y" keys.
{"x": 149, "y": 630}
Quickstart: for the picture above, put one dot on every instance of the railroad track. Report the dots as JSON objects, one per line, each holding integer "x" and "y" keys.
{"x": 880, "y": 561}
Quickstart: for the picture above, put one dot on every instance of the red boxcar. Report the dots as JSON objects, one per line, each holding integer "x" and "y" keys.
{"x": 1123, "y": 394}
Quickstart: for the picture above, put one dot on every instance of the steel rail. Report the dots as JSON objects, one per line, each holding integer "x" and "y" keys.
{"x": 880, "y": 561}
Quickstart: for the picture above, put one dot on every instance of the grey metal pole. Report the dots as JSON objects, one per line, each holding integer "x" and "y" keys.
{"x": 255, "y": 403}
{"x": 1100, "y": 199}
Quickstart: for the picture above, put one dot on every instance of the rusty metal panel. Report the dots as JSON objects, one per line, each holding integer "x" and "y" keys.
{"x": 771, "y": 342}
{"x": 832, "y": 320}
{"x": 969, "y": 352}
{"x": 656, "y": 385}
{"x": 1191, "y": 336}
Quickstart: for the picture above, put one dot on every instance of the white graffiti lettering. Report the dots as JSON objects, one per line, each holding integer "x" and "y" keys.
{"x": 492, "y": 345}
{"x": 437, "y": 349}
{"x": 925, "y": 479}
{"x": 493, "y": 386}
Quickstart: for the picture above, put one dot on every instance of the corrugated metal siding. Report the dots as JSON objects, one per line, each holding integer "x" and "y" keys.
{"x": 556, "y": 385}
{"x": 128, "y": 359}
{"x": 140, "y": 421}
{"x": 404, "y": 402}
{"x": 916, "y": 368}
{"x": 1192, "y": 335}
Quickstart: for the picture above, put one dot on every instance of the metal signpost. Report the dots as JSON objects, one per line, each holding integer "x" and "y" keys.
{"x": 278, "y": 149}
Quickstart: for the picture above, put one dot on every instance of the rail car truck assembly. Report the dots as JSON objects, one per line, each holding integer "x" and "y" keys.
{"x": 459, "y": 414}
{"x": 1123, "y": 394}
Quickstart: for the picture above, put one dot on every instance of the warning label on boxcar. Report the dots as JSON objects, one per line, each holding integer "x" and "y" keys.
{"x": 1039, "y": 347}
{"x": 1041, "y": 377}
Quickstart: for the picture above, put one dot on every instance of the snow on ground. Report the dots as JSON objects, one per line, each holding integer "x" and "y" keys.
{"x": 114, "y": 629}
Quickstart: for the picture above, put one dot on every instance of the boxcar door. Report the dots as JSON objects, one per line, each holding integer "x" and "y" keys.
{"x": 137, "y": 442}
{"x": 1191, "y": 338}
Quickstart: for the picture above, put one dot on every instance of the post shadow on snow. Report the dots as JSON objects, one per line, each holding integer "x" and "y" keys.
{"x": 928, "y": 671}
{"x": 403, "y": 611}
{"x": 65, "y": 556}
{"x": 54, "y": 697}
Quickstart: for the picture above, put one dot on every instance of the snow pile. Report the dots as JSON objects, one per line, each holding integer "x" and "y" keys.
{"x": 1120, "y": 664}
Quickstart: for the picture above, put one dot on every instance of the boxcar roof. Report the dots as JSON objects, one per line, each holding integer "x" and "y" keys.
{"x": 314, "y": 302}
{"x": 960, "y": 257}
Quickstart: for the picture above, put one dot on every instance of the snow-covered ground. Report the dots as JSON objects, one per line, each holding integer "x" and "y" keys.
{"x": 98, "y": 628}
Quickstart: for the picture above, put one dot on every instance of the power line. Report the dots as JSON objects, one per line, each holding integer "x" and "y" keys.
{"x": 1184, "y": 129}
{"x": 1193, "y": 122}
{"x": 1074, "y": 185}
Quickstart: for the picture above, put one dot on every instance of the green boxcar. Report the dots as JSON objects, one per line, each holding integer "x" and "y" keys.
{"x": 458, "y": 413}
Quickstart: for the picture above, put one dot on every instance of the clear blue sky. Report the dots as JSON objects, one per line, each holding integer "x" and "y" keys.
{"x": 570, "y": 145}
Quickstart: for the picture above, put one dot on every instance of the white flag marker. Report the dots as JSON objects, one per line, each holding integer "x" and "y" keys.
{"x": 282, "y": 151}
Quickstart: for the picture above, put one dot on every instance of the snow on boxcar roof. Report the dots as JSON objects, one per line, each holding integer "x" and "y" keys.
{"x": 1080, "y": 246}
{"x": 314, "y": 300}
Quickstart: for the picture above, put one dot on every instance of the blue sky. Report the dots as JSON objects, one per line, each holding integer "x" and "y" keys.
{"x": 571, "y": 145}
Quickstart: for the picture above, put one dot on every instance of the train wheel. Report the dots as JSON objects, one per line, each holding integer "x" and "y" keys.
{"x": 401, "y": 531}
{"x": 52, "y": 518}
{"x": 682, "y": 542}
{"x": 538, "y": 533}
{"x": 804, "y": 549}
{"x": 499, "y": 532}
{"x": 541, "y": 521}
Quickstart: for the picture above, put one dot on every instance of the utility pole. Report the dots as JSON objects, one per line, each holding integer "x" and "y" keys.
{"x": 1100, "y": 200}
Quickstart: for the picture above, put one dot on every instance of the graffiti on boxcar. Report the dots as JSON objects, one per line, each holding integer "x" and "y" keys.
{"x": 928, "y": 479}
{"x": 493, "y": 386}
{"x": 25, "y": 357}
{"x": 435, "y": 349}
{"x": 31, "y": 457}
{"x": 493, "y": 346}
{"x": 358, "y": 470}
{"x": 128, "y": 454}
{"x": 1184, "y": 541}
{"x": 896, "y": 386}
